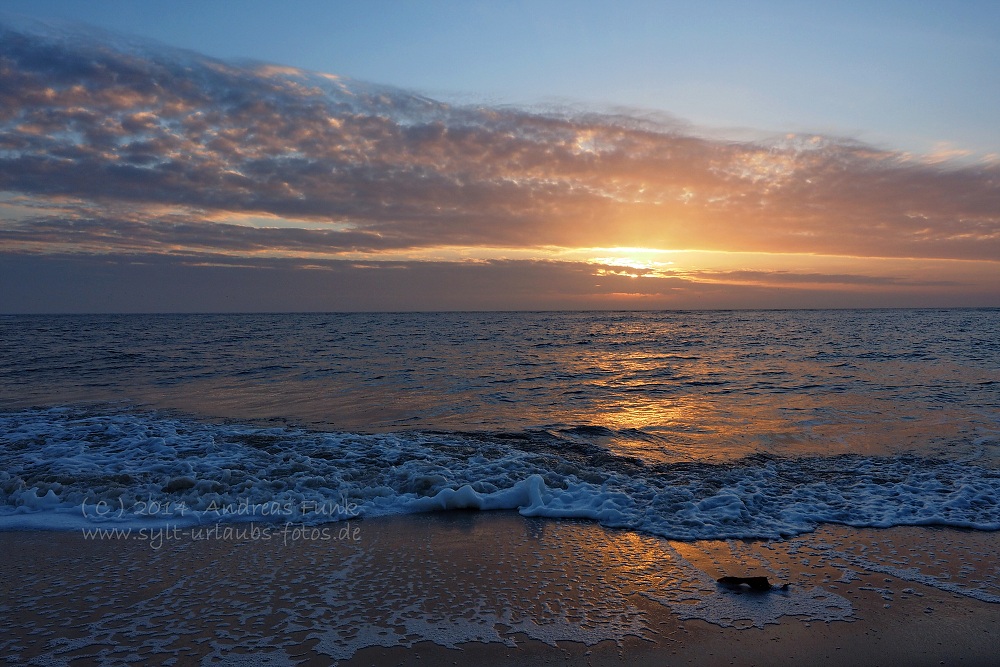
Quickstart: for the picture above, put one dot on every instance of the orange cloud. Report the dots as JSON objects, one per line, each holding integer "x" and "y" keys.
{"x": 124, "y": 151}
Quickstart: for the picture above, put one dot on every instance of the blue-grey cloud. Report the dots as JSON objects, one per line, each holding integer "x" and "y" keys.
{"x": 223, "y": 283}
{"x": 109, "y": 235}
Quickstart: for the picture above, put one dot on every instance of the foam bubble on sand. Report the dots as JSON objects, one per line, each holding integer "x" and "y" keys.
{"x": 700, "y": 597}
{"x": 915, "y": 575}
{"x": 452, "y": 579}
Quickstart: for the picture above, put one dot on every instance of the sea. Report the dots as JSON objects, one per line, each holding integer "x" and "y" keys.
{"x": 685, "y": 425}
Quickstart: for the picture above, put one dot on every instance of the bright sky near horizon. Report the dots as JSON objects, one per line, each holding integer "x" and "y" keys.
{"x": 527, "y": 155}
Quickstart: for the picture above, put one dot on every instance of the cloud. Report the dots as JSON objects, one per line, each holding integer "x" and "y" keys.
{"x": 801, "y": 278}
{"x": 137, "y": 177}
{"x": 223, "y": 283}
{"x": 126, "y": 129}
{"x": 110, "y": 235}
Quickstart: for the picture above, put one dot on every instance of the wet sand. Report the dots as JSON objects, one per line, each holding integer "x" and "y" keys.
{"x": 495, "y": 588}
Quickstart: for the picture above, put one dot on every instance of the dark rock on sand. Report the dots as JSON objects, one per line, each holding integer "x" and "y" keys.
{"x": 758, "y": 584}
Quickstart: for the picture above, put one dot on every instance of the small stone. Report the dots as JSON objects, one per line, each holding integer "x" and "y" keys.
{"x": 753, "y": 583}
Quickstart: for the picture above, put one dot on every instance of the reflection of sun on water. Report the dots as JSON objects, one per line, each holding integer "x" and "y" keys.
{"x": 639, "y": 415}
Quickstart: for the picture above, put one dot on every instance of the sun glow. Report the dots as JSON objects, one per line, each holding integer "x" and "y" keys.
{"x": 633, "y": 262}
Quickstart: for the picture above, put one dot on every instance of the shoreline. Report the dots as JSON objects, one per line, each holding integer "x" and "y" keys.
{"x": 466, "y": 587}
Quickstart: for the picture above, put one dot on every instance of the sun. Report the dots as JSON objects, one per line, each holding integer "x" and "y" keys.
{"x": 632, "y": 262}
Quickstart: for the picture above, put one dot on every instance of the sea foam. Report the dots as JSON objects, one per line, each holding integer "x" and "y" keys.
{"x": 66, "y": 467}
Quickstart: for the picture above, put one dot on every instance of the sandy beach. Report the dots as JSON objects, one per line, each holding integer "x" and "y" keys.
{"x": 495, "y": 588}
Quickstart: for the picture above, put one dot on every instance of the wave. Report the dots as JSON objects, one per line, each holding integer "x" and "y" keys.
{"x": 66, "y": 467}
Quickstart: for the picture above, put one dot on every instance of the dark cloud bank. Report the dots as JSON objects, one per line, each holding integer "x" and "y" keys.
{"x": 87, "y": 284}
{"x": 129, "y": 158}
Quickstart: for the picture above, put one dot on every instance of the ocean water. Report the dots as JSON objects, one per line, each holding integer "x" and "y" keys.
{"x": 684, "y": 425}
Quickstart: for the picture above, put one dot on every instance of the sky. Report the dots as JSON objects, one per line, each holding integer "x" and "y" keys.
{"x": 330, "y": 156}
